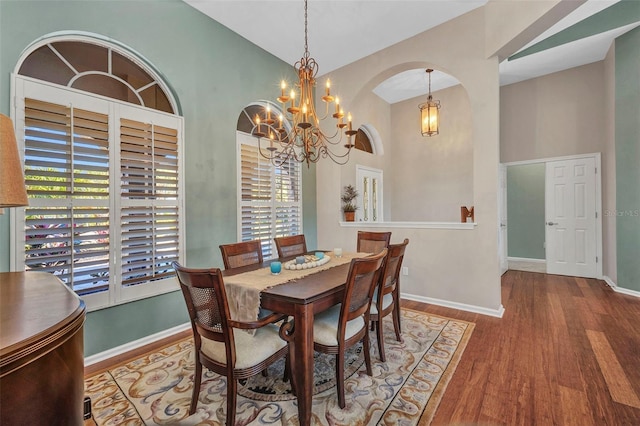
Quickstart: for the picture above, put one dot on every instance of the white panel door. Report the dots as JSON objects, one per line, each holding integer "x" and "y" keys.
{"x": 571, "y": 217}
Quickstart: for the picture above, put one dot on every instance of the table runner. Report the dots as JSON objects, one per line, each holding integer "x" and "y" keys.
{"x": 243, "y": 290}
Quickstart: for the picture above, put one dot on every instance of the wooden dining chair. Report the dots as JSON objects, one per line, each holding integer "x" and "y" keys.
{"x": 372, "y": 242}
{"x": 386, "y": 298}
{"x": 292, "y": 245}
{"x": 245, "y": 253}
{"x": 347, "y": 323}
{"x": 222, "y": 344}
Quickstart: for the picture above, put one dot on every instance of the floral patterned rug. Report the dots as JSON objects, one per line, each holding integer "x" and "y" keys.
{"x": 156, "y": 389}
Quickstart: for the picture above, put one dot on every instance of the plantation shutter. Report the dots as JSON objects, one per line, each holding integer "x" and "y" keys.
{"x": 149, "y": 199}
{"x": 288, "y": 203}
{"x": 270, "y": 199}
{"x": 67, "y": 179}
{"x": 104, "y": 185}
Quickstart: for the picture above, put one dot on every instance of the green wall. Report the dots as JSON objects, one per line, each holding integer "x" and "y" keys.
{"x": 214, "y": 73}
{"x": 627, "y": 129}
{"x": 525, "y": 211}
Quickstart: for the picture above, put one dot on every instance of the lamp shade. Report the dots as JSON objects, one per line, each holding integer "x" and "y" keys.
{"x": 12, "y": 189}
{"x": 430, "y": 117}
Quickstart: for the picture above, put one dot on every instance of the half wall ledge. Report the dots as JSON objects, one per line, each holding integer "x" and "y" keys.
{"x": 412, "y": 225}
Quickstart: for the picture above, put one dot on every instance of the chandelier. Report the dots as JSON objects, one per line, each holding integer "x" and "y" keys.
{"x": 429, "y": 113}
{"x": 295, "y": 133}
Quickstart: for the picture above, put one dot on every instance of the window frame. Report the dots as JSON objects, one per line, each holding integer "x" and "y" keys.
{"x": 116, "y": 293}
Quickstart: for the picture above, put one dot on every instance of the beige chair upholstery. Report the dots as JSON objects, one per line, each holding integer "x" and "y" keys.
{"x": 221, "y": 344}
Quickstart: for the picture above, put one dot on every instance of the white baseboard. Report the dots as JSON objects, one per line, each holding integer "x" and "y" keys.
{"x": 119, "y": 350}
{"x": 455, "y": 305}
{"x": 526, "y": 264}
{"x": 620, "y": 290}
{"x": 609, "y": 282}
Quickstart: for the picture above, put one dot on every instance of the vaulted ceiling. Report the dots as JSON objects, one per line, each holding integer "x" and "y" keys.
{"x": 343, "y": 31}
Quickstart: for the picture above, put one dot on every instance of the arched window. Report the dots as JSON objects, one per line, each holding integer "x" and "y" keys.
{"x": 368, "y": 140}
{"x": 103, "y": 152}
{"x": 362, "y": 142}
{"x": 269, "y": 197}
{"x": 99, "y": 68}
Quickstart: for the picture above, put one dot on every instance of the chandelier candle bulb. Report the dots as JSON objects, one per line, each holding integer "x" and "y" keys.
{"x": 293, "y": 109}
{"x": 259, "y": 132}
{"x": 269, "y": 121}
{"x": 283, "y": 99}
{"x": 337, "y": 105}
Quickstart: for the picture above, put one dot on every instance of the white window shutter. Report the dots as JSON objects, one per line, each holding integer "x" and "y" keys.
{"x": 270, "y": 197}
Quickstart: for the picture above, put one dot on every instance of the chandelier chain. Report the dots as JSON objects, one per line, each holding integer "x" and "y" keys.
{"x": 306, "y": 44}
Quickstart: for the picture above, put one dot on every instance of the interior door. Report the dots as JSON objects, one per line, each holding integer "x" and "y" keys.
{"x": 570, "y": 212}
{"x": 502, "y": 220}
{"x": 369, "y": 187}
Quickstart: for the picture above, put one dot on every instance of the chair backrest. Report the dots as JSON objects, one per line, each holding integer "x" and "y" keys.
{"x": 391, "y": 270}
{"x": 206, "y": 298}
{"x": 372, "y": 242}
{"x": 364, "y": 273}
{"x": 245, "y": 253}
{"x": 293, "y": 245}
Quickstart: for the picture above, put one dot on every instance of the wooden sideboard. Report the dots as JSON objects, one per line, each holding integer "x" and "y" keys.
{"x": 41, "y": 351}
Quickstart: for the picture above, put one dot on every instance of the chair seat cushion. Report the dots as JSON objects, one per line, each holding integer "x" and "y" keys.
{"x": 325, "y": 327}
{"x": 387, "y": 300}
{"x": 250, "y": 350}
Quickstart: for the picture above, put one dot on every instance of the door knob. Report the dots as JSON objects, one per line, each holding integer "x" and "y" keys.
{"x": 552, "y": 223}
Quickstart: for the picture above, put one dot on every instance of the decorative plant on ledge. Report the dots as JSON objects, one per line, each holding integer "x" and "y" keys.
{"x": 349, "y": 207}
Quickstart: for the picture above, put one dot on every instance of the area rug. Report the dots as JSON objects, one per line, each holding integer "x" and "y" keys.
{"x": 406, "y": 389}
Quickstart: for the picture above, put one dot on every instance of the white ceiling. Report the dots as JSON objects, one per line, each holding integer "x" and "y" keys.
{"x": 343, "y": 31}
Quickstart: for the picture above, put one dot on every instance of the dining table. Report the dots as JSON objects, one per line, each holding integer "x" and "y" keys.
{"x": 301, "y": 298}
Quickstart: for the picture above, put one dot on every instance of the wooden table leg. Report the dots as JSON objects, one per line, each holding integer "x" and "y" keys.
{"x": 302, "y": 361}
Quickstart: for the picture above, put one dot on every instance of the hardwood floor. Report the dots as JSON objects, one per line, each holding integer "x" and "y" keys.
{"x": 566, "y": 352}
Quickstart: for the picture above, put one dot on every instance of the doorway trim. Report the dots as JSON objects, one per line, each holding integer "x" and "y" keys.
{"x": 597, "y": 158}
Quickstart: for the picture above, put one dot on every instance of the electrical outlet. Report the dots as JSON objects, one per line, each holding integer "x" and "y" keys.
{"x": 87, "y": 408}
{"x": 405, "y": 270}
